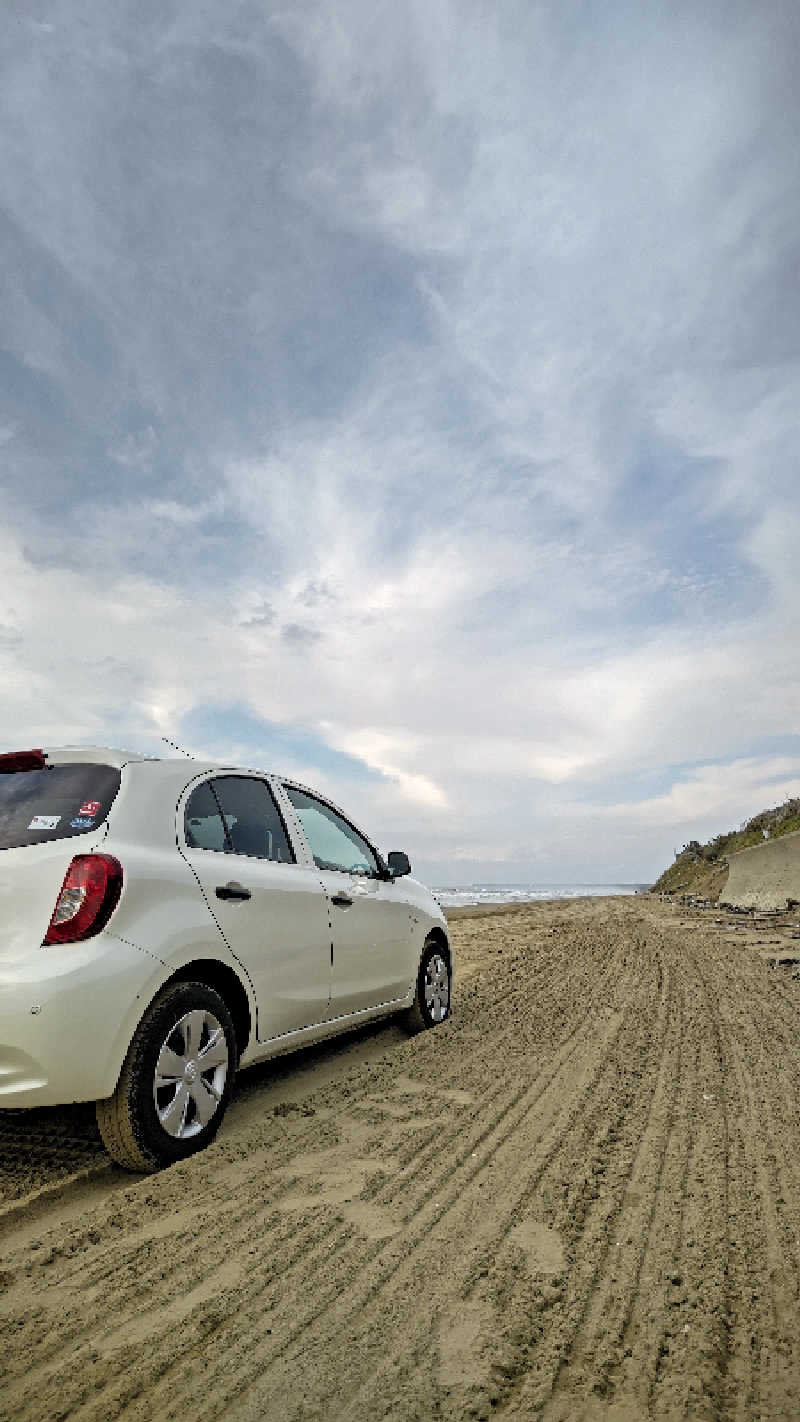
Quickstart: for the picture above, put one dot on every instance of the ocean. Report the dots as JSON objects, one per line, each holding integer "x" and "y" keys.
{"x": 451, "y": 896}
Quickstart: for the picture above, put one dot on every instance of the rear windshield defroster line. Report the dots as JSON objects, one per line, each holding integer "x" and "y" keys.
{"x": 57, "y": 802}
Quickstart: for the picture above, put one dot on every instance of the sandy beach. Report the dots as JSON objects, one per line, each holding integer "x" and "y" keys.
{"x": 577, "y": 1200}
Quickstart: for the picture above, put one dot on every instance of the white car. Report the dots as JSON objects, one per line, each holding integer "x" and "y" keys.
{"x": 164, "y": 922}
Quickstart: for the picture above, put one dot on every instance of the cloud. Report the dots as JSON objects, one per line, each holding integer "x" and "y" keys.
{"x": 295, "y": 632}
{"x": 422, "y": 381}
{"x": 712, "y": 795}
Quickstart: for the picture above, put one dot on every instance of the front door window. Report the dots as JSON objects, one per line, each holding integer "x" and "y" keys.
{"x": 334, "y": 843}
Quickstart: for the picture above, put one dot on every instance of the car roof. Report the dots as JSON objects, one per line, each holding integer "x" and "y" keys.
{"x": 92, "y": 755}
{"x": 159, "y": 766}
{"x": 166, "y": 768}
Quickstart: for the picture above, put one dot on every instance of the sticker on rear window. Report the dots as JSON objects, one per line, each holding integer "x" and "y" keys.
{"x": 81, "y": 822}
{"x": 89, "y": 807}
{"x": 44, "y": 822}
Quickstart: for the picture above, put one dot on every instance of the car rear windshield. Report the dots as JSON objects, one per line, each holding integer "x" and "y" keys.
{"x": 55, "y": 802}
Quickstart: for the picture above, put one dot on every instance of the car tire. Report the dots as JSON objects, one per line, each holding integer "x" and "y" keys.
{"x": 175, "y": 1082}
{"x": 432, "y": 1000}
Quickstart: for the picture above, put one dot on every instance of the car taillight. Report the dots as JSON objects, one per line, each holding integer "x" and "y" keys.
{"x": 88, "y": 897}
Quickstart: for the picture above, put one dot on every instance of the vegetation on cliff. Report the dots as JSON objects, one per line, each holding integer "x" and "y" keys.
{"x": 702, "y": 869}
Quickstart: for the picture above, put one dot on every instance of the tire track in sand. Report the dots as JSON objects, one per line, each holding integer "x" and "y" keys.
{"x": 608, "y": 1227}
{"x": 138, "y": 1266}
{"x": 251, "y": 1300}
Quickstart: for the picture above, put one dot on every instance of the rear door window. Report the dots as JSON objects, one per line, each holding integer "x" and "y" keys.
{"x": 237, "y": 814}
{"x": 55, "y": 802}
{"x": 202, "y": 821}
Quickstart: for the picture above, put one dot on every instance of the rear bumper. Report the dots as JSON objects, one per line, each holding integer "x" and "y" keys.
{"x": 67, "y": 1014}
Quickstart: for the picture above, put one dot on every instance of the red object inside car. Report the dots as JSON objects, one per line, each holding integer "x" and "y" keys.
{"x": 22, "y": 760}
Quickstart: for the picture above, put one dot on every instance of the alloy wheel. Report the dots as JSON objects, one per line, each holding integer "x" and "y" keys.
{"x": 191, "y": 1071}
{"x": 437, "y": 988}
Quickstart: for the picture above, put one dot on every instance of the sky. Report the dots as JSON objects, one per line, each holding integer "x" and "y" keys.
{"x": 406, "y": 397}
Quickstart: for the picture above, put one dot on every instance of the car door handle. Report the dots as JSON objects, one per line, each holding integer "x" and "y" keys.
{"x": 341, "y": 900}
{"x": 232, "y": 891}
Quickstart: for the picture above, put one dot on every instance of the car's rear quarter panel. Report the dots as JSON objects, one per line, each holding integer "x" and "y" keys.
{"x": 68, "y": 1011}
{"x": 30, "y": 881}
{"x": 66, "y": 1019}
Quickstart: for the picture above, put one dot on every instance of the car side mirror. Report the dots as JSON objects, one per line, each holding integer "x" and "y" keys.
{"x": 397, "y": 863}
